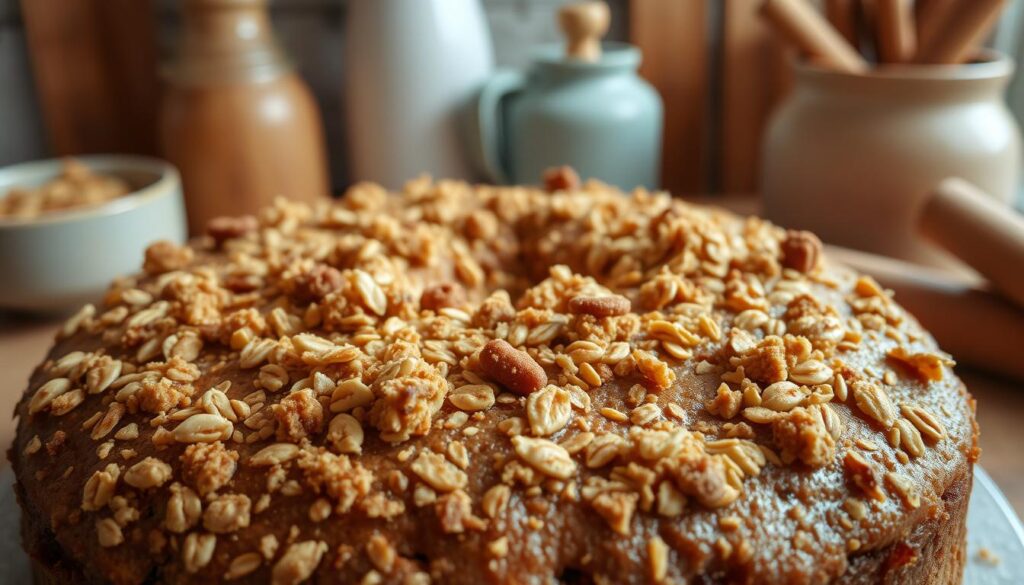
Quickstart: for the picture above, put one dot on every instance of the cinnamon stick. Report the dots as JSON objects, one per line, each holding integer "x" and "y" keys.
{"x": 928, "y": 16}
{"x": 869, "y": 20}
{"x": 896, "y": 35}
{"x": 842, "y": 14}
{"x": 962, "y": 29}
{"x": 799, "y": 23}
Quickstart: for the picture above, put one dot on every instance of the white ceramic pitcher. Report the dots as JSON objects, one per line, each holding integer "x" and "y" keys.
{"x": 412, "y": 69}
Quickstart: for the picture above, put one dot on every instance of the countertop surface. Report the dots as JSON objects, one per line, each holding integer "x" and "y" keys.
{"x": 24, "y": 342}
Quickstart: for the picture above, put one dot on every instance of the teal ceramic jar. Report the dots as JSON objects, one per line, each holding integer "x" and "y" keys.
{"x": 600, "y": 118}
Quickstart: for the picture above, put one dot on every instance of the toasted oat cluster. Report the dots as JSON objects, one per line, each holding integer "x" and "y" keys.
{"x": 416, "y": 387}
{"x": 76, "y": 186}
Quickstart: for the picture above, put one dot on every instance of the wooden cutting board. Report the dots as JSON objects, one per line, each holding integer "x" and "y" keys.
{"x": 720, "y": 73}
{"x": 676, "y": 60}
{"x": 95, "y": 68}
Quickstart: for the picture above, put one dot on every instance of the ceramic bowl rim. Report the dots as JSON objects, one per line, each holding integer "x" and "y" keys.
{"x": 990, "y": 64}
{"x": 166, "y": 183}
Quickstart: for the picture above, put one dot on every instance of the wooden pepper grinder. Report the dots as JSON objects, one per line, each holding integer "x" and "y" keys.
{"x": 584, "y": 23}
{"x": 236, "y": 119}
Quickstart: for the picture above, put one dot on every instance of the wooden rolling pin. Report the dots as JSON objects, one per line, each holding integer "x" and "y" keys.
{"x": 962, "y": 29}
{"x": 978, "y": 328}
{"x": 986, "y": 234}
{"x": 798, "y": 22}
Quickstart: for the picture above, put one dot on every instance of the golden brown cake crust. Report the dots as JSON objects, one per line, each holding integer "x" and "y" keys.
{"x": 678, "y": 394}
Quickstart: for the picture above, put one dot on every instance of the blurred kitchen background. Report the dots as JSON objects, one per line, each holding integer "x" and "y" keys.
{"x": 715, "y": 63}
{"x": 855, "y": 149}
{"x": 310, "y": 31}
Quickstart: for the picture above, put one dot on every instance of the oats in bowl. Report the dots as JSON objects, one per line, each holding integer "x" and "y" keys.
{"x": 73, "y": 227}
{"x": 76, "y": 186}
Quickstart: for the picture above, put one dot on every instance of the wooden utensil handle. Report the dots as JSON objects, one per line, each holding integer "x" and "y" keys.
{"x": 974, "y": 325}
{"x": 842, "y": 14}
{"x": 896, "y": 36}
{"x": 981, "y": 231}
{"x": 583, "y": 24}
{"x": 962, "y": 28}
{"x": 802, "y": 25}
{"x": 928, "y": 17}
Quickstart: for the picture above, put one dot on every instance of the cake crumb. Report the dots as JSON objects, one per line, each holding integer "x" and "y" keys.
{"x": 987, "y": 556}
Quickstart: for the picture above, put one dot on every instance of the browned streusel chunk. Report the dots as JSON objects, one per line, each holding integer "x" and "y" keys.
{"x": 405, "y": 404}
{"x": 439, "y": 296}
{"x": 561, "y": 178}
{"x": 455, "y": 512}
{"x": 207, "y": 467}
{"x": 227, "y": 513}
{"x": 228, "y": 227}
{"x": 705, "y": 479}
{"x": 726, "y": 403}
{"x": 801, "y": 251}
{"x": 496, "y": 309}
{"x": 863, "y": 474}
{"x": 164, "y": 256}
{"x": 314, "y": 284}
{"x": 298, "y": 416}
{"x": 766, "y": 363}
{"x": 161, "y": 394}
{"x": 337, "y": 477}
{"x": 799, "y": 434}
{"x": 55, "y": 442}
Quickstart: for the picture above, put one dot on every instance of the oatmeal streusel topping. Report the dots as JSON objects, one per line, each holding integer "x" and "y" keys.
{"x": 474, "y": 358}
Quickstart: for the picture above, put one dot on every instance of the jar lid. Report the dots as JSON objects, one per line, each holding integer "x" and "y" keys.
{"x": 615, "y": 56}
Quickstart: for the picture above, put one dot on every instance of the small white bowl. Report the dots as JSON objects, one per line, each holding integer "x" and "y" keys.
{"x": 61, "y": 260}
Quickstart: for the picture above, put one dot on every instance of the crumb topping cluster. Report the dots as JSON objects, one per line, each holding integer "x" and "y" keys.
{"x": 459, "y": 348}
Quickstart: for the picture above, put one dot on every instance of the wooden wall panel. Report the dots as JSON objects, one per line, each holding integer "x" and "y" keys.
{"x": 755, "y": 74}
{"x": 673, "y": 36}
{"x": 95, "y": 69}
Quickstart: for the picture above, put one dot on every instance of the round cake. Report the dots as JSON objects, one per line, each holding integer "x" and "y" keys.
{"x": 459, "y": 384}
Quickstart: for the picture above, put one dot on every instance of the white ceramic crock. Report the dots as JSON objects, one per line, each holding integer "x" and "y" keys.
{"x": 62, "y": 260}
{"x": 852, "y": 157}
